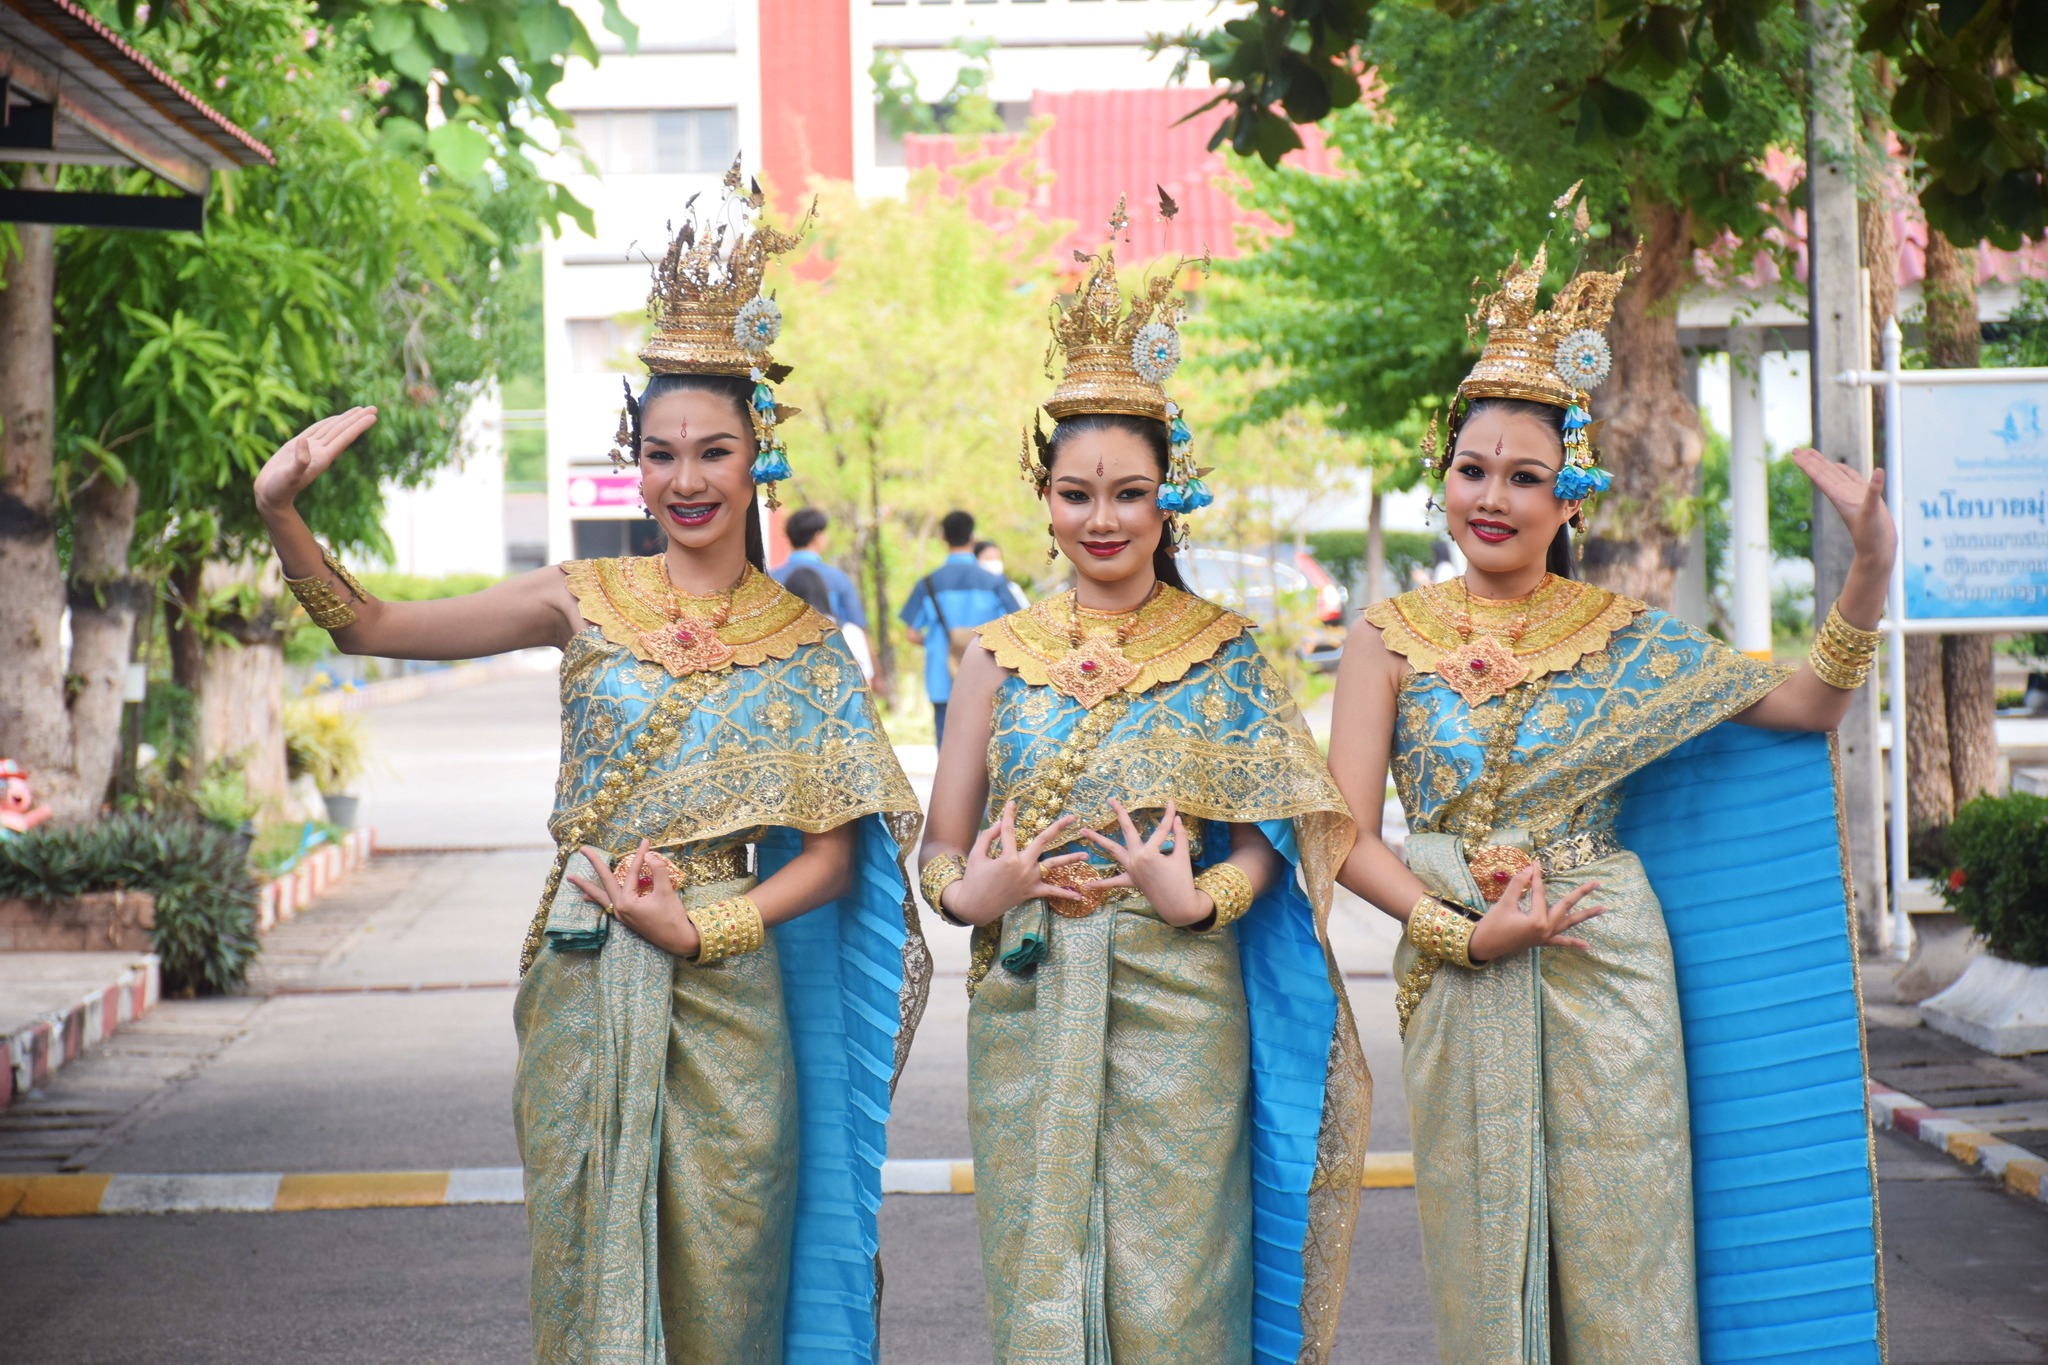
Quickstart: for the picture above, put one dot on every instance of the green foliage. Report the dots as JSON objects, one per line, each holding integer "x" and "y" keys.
{"x": 1343, "y": 554}
{"x": 205, "y": 897}
{"x": 281, "y": 846}
{"x": 222, "y": 796}
{"x": 407, "y": 587}
{"x": 1972, "y": 98}
{"x": 2023, "y": 338}
{"x": 1998, "y": 852}
{"x": 327, "y": 745}
{"x": 1356, "y": 306}
{"x": 965, "y": 108}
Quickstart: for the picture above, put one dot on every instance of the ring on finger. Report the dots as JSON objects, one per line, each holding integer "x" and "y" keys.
{"x": 1167, "y": 844}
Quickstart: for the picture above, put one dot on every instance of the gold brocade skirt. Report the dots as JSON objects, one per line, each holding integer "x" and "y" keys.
{"x": 1553, "y": 1159}
{"x": 656, "y": 1110}
{"x": 1112, "y": 1148}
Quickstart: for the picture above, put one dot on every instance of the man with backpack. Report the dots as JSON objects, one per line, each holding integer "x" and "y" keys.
{"x": 944, "y": 608}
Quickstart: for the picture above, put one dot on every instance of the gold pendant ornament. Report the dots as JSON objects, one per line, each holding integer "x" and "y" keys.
{"x": 1481, "y": 669}
{"x": 1092, "y": 669}
{"x": 687, "y": 645}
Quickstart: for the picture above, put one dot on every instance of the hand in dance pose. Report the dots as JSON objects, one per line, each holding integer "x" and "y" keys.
{"x": 655, "y": 914}
{"x": 1511, "y": 926}
{"x": 1160, "y": 867}
{"x": 994, "y": 885}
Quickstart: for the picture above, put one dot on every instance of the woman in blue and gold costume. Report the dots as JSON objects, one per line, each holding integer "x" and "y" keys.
{"x": 1167, "y": 1096}
{"x": 721, "y": 981}
{"x": 1632, "y": 1039}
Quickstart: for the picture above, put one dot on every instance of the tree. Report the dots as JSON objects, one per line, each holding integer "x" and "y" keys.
{"x": 1971, "y": 104}
{"x": 915, "y": 345}
{"x": 360, "y": 269}
{"x": 1355, "y": 308}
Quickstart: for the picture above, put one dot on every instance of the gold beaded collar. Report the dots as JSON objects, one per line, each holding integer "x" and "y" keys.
{"x": 1482, "y": 647}
{"x": 1173, "y": 631}
{"x": 632, "y": 602}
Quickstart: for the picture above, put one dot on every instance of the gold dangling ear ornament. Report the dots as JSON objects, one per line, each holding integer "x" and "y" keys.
{"x": 758, "y": 325}
{"x": 1034, "y": 458}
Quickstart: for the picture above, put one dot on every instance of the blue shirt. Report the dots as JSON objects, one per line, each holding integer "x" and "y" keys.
{"x": 968, "y": 595}
{"x": 846, "y": 606}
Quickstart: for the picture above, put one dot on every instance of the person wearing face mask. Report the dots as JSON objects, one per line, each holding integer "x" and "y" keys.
{"x": 730, "y": 824}
{"x": 1627, "y": 991}
{"x": 989, "y": 555}
{"x": 1133, "y": 819}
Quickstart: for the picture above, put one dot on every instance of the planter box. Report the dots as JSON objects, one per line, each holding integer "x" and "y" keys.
{"x": 1999, "y": 1006}
{"x": 98, "y": 922}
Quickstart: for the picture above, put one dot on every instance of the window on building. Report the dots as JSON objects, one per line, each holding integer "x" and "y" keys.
{"x": 597, "y": 345}
{"x": 659, "y": 141}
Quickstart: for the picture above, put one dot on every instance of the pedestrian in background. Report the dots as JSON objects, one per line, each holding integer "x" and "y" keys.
{"x": 945, "y": 607}
{"x": 989, "y": 555}
{"x": 835, "y": 594}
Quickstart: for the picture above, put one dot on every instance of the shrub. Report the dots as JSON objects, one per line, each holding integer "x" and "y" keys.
{"x": 205, "y": 930}
{"x": 325, "y": 743}
{"x": 1998, "y": 875}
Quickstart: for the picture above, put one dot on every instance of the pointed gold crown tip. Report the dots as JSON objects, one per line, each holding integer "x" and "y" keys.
{"x": 710, "y": 316}
{"x": 1117, "y": 357}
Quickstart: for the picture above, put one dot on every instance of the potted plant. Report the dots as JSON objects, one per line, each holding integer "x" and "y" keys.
{"x": 329, "y": 747}
{"x": 1997, "y": 848}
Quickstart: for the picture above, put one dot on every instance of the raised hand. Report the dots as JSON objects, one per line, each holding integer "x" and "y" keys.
{"x": 1510, "y": 928}
{"x": 305, "y": 457}
{"x": 1160, "y": 868}
{"x": 992, "y": 886}
{"x": 655, "y": 914}
{"x": 1857, "y": 500}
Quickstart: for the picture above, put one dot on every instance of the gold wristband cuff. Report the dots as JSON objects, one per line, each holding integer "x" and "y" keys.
{"x": 941, "y": 872}
{"x": 322, "y": 603}
{"x": 1230, "y": 889}
{"x": 727, "y": 928}
{"x": 1440, "y": 932}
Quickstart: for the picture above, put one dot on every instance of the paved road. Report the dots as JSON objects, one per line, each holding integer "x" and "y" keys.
{"x": 301, "y": 1080}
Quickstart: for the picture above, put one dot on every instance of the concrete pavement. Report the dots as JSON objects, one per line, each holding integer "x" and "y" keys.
{"x": 304, "y": 1080}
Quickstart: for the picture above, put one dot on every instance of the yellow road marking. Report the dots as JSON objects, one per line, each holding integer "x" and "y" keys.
{"x": 361, "y": 1190}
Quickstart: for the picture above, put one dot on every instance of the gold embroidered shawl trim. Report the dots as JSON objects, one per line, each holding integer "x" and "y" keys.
{"x": 1175, "y": 631}
{"x": 1565, "y": 621}
{"x": 623, "y": 599}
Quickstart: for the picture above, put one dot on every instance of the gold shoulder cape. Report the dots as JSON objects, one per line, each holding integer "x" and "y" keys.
{"x": 629, "y": 599}
{"x": 1175, "y": 631}
{"x": 1566, "y": 620}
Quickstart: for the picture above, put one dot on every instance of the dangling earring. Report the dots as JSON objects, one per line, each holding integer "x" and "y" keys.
{"x": 1432, "y": 514}
{"x": 1052, "y": 550}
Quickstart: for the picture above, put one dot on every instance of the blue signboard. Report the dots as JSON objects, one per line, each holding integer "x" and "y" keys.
{"x": 1974, "y": 536}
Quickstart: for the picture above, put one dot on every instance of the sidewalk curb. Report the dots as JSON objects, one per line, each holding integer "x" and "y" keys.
{"x": 413, "y": 686}
{"x": 82, "y": 1196}
{"x": 2017, "y": 1169}
{"x": 281, "y": 900}
{"x": 32, "y": 1052}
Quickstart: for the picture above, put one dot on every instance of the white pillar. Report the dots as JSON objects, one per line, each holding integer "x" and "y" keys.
{"x": 1749, "y": 491}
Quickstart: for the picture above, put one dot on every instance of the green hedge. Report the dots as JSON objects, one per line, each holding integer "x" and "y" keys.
{"x": 1343, "y": 554}
{"x": 205, "y": 896}
{"x": 1997, "y": 850}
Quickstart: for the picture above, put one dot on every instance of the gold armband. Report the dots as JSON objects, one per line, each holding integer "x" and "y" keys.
{"x": 1231, "y": 889}
{"x": 1440, "y": 932}
{"x": 726, "y": 929}
{"x": 940, "y": 873}
{"x": 1842, "y": 653}
{"x": 321, "y": 601}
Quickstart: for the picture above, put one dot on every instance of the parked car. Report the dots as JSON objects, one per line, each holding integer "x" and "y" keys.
{"x": 1258, "y": 582}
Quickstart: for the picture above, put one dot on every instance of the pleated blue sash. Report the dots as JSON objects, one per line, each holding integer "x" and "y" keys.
{"x": 1737, "y": 830}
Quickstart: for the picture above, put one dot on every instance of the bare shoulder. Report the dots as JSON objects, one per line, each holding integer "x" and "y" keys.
{"x": 546, "y": 589}
{"x": 1368, "y": 665}
{"x": 980, "y": 675}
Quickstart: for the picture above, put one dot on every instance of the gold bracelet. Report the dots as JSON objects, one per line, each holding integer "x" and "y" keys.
{"x": 322, "y": 603}
{"x": 1438, "y": 931}
{"x": 941, "y": 872}
{"x": 726, "y": 929}
{"x": 1231, "y": 889}
{"x": 1842, "y": 654}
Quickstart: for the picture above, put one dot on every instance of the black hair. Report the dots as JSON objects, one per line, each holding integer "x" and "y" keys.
{"x": 804, "y": 525}
{"x": 1153, "y": 434}
{"x": 740, "y": 392}
{"x": 1559, "y": 559}
{"x": 958, "y": 529}
{"x": 981, "y": 545}
{"x": 809, "y": 584}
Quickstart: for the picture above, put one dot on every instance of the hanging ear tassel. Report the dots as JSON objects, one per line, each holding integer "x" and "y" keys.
{"x": 1429, "y": 442}
{"x": 626, "y": 441}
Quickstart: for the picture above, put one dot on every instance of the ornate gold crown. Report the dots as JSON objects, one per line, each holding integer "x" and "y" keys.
{"x": 1553, "y": 356}
{"x": 1116, "y": 361}
{"x": 710, "y": 316}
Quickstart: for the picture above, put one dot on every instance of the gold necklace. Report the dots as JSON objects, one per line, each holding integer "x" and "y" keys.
{"x": 1096, "y": 666}
{"x": 1483, "y": 668}
{"x": 688, "y": 642}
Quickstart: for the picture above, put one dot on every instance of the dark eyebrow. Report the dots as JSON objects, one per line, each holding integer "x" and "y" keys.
{"x": 663, "y": 440}
{"x": 1518, "y": 460}
{"x": 1128, "y": 478}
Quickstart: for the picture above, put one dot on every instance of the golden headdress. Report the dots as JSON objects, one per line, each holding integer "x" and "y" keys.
{"x": 710, "y": 316}
{"x": 1555, "y": 356}
{"x": 1117, "y": 360}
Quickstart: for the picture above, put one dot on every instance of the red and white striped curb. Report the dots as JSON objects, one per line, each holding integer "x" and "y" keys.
{"x": 2019, "y": 1170}
{"x": 35, "y": 1050}
{"x": 281, "y": 900}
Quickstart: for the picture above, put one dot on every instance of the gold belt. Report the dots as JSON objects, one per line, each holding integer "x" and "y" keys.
{"x": 1493, "y": 866}
{"x": 694, "y": 869}
{"x": 1082, "y": 877}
